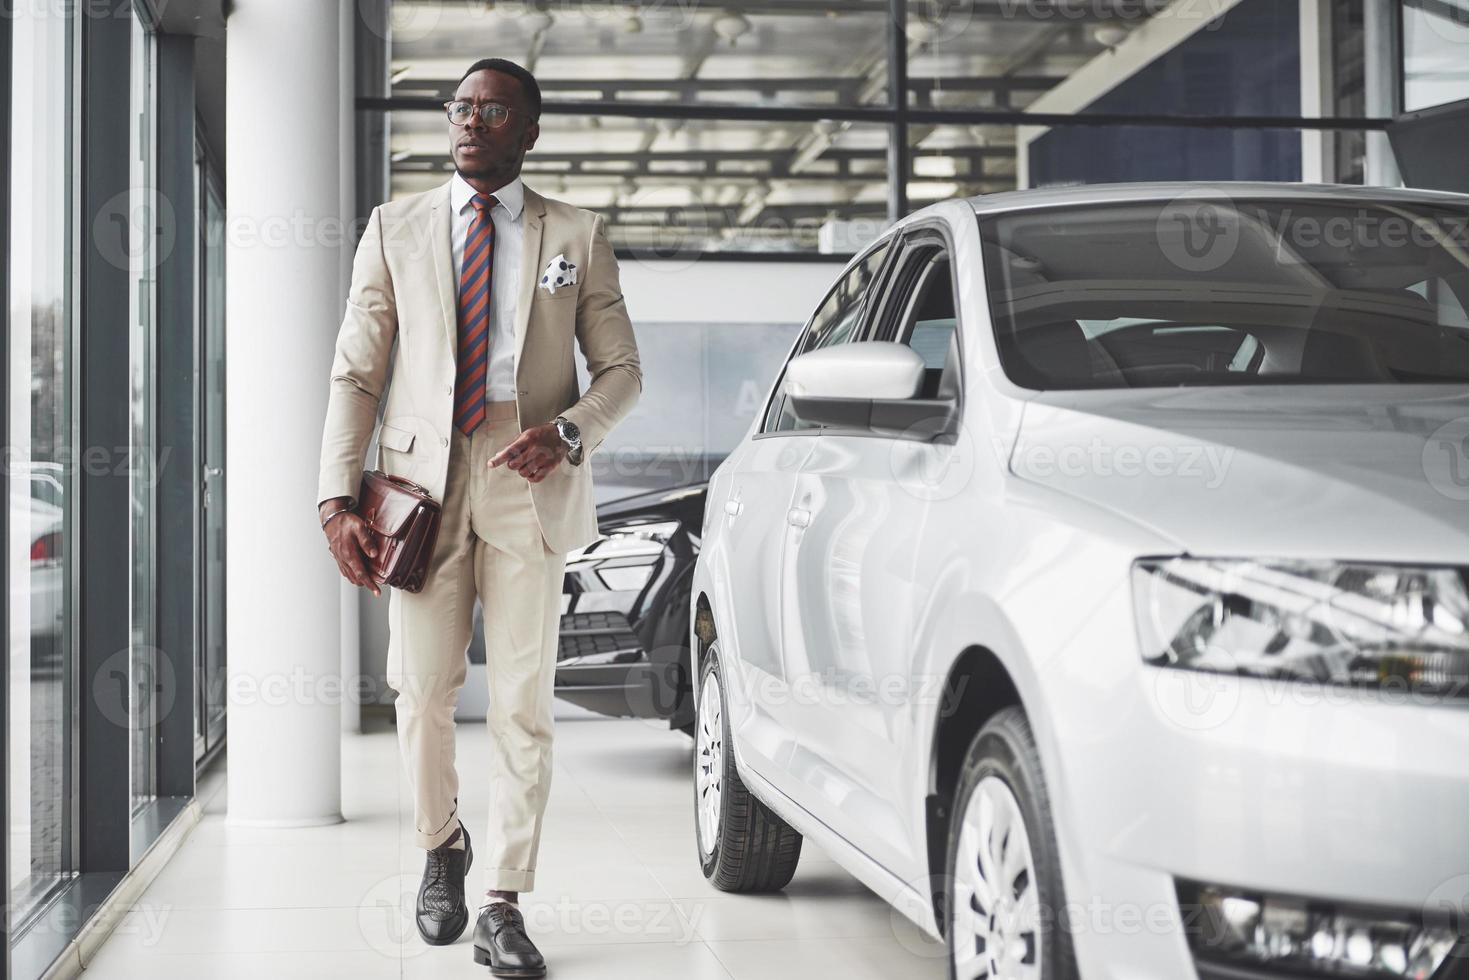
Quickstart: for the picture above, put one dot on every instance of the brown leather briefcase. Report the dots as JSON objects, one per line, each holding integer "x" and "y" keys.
{"x": 403, "y": 522}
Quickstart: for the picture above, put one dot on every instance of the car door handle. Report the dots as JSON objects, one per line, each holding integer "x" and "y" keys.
{"x": 798, "y": 517}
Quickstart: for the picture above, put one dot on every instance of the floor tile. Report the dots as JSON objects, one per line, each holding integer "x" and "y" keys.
{"x": 619, "y": 892}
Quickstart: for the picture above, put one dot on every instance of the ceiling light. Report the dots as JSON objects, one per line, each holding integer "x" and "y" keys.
{"x": 1109, "y": 35}
{"x": 921, "y": 29}
{"x": 731, "y": 26}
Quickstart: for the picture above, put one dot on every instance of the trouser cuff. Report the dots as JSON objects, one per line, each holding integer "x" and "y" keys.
{"x": 430, "y": 841}
{"x": 509, "y": 880}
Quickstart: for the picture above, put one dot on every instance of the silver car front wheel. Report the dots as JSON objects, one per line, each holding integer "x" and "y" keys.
{"x": 1004, "y": 898}
{"x": 996, "y": 911}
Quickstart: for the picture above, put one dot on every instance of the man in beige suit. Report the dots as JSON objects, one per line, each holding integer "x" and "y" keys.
{"x": 483, "y": 284}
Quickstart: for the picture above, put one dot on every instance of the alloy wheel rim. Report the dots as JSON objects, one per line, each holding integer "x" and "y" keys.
{"x": 996, "y": 918}
{"x": 709, "y": 763}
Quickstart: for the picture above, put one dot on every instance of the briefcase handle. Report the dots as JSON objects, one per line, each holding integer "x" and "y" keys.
{"x": 407, "y": 483}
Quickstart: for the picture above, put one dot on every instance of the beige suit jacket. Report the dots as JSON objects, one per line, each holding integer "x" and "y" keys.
{"x": 403, "y": 291}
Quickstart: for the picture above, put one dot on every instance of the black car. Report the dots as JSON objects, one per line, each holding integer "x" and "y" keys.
{"x": 625, "y": 609}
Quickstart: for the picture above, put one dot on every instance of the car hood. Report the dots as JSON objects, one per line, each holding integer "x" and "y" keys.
{"x": 1368, "y": 472}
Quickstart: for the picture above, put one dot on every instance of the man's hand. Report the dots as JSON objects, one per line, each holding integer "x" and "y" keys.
{"x": 350, "y": 544}
{"x": 534, "y": 453}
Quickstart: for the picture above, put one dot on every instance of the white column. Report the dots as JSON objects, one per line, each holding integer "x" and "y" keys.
{"x": 1380, "y": 71}
{"x": 283, "y": 304}
{"x": 1317, "y": 91}
{"x": 347, "y": 203}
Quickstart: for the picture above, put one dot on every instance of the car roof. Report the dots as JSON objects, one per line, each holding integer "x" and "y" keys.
{"x": 1166, "y": 190}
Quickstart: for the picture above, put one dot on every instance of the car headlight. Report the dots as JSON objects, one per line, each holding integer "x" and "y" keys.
{"x": 625, "y": 556}
{"x": 1330, "y": 622}
{"x": 659, "y": 531}
{"x": 1311, "y": 938}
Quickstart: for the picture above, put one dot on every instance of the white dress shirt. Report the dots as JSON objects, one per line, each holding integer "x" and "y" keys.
{"x": 504, "y": 274}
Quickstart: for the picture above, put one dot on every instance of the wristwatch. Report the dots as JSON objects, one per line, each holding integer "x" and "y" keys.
{"x": 571, "y": 435}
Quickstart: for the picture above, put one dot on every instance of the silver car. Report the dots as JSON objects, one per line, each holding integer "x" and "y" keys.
{"x": 1093, "y": 586}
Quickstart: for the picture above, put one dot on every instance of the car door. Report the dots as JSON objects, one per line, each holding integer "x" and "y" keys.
{"x": 863, "y": 506}
{"x": 762, "y": 477}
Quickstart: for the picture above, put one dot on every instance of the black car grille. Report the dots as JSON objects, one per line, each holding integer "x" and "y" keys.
{"x": 593, "y": 633}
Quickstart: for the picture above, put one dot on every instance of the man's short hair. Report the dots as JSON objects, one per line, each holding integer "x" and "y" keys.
{"x": 528, "y": 83}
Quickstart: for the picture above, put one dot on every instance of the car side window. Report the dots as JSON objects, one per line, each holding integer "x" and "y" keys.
{"x": 836, "y": 321}
{"x": 919, "y": 312}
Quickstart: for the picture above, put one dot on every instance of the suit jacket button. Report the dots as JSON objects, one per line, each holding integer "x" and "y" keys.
{"x": 444, "y": 441}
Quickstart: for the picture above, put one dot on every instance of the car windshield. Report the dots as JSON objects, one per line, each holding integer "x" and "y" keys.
{"x": 1202, "y": 290}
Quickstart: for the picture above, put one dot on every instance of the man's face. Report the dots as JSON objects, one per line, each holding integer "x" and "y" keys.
{"x": 482, "y": 152}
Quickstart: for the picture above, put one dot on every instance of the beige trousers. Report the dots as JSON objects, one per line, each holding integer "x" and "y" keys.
{"x": 490, "y": 548}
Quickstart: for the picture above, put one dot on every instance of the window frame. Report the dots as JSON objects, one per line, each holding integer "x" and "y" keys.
{"x": 892, "y": 244}
{"x": 900, "y": 291}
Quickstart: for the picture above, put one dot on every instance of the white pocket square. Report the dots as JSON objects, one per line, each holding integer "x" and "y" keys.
{"x": 559, "y": 272}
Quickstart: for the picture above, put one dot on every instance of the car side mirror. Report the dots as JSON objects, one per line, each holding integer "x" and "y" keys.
{"x": 874, "y": 386}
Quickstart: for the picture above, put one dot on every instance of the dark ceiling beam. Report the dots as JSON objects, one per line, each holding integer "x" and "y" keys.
{"x": 611, "y": 89}
{"x": 1041, "y": 11}
{"x": 723, "y": 176}
{"x": 727, "y": 176}
{"x": 710, "y": 164}
{"x": 883, "y": 115}
{"x": 715, "y": 218}
{"x": 703, "y": 156}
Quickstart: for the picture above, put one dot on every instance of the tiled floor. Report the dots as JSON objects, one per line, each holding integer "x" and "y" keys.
{"x": 618, "y": 892}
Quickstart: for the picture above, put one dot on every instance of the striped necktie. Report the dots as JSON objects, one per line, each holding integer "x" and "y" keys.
{"x": 474, "y": 316}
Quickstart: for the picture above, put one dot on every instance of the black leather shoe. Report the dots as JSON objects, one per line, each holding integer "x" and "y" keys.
{"x": 501, "y": 944}
{"x": 441, "y": 913}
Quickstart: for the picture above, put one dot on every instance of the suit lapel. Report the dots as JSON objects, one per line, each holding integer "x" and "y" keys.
{"x": 530, "y": 266}
{"x": 440, "y": 233}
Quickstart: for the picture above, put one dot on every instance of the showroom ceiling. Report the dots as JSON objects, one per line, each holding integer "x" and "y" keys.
{"x": 743, "y": 184}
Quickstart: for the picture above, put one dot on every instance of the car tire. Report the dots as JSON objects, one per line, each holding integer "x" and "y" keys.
{"x": 743, "y": 845}
{"x": 1022, "y": 930}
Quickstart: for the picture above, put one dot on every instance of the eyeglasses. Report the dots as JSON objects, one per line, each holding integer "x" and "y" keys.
{"x": 492, "y": 114}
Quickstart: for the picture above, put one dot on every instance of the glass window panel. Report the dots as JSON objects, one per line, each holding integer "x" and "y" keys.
{"x": 1348, "y": 62}
{"x": 1435, "y": 39}
{"x": 836, "y": 321}
{"x": 1019, "y": 56}
{"x": 671, "y": 188}
{"x": 1002, "y": 56}
{"x": 768, "y": 52}
{"x": 40, "y": 461}
{"x": 703, "y": 384}
{"x": 142, "y": 262}
{"x": 961, "y": 161}
{"x": 212, "y": 667}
